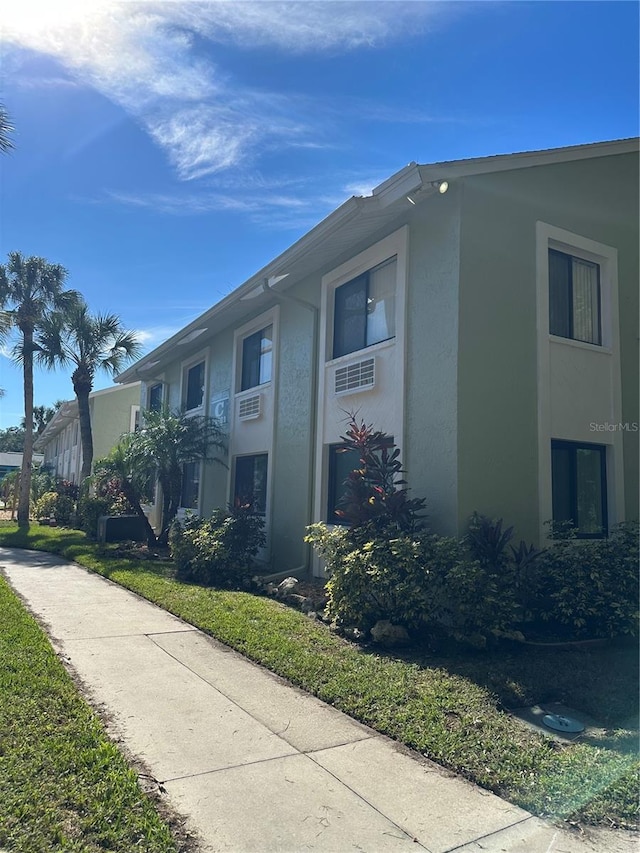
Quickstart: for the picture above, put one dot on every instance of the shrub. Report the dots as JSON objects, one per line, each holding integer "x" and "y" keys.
{"x": 42, "y": 481}
{"x": 418, "y": 582}
{"x": 45, "y": 505}
{"x": 218, "y": 551}
{"x": 89, "y": 511}
{"x": 54, "y": 505}
{"x": 587, "y": 588}
{"x": 379, "y": 579}
{"x": 376, "y": 502}
{"x": 68, "y": 488}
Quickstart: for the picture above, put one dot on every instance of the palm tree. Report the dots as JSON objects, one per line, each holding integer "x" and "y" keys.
{"x": 122, "y": 464}
{"x": 30, "y": 288}
{"x": 168, "y": 442}
{"x": 89, "y": 343}
{"x": 41, "y": 417}
{"x": 6, "y": 127}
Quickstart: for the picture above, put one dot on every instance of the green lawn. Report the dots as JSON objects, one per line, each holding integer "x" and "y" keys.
{"x": 63, "y": 784}
{"x": 451, "y": 708}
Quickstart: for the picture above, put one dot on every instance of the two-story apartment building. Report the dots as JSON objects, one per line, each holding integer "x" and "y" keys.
{"x": 114, "y": 411}
{"x": 483, "y": 313}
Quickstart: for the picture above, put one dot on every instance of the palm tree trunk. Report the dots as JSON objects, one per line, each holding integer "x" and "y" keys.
{"x": 131, "y": 495}
{"x": 86, "y": 436}
{"x": 27, "y": 450}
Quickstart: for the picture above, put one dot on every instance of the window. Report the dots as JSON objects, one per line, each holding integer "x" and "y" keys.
{"x": 190, "y": 485}
{"x": 578, "y": 481}
{"x": 194, "y": 387}
{"x": 364, "y": 310}
{"x": 574, "y": 298}
{"x": 257, "y": 358}
{"x": 342, "y": 462}
{"x": 251, "y": 482}
{"x": 155, "y": 397}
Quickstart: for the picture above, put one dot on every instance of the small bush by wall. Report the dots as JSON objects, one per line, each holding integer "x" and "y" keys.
{"x": 420, "y": 581}
{"x": 480, "y": 586}
{"x": 218, "y": 551}
{"x": 586, "y": 588}
{"x": 89, "y": 511}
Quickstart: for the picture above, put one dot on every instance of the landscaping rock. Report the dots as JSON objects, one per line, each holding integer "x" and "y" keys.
{"x": 385, "y": 633}
{"x": 296, "y": 600}
{"x": 353, "y": 634}
{"x": 287, "y": 586}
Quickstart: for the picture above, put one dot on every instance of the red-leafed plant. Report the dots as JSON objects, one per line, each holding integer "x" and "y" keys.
{"x": 376, "y": 498}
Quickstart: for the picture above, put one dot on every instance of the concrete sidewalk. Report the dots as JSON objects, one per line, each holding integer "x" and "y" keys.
{"x": 253, "y": 763}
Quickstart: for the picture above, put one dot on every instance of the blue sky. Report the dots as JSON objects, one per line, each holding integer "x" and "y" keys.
{"x": 165, "y": 151}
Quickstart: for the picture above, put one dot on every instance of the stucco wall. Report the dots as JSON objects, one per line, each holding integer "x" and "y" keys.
{"x": 497, "y": 371}
{"x": 430, "y": 443}
{"x": 111, "y": 416}
{"x": 293, "y": 435}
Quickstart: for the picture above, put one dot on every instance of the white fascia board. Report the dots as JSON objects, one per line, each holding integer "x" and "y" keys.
{"x": 395, "y": 188}
{"x": 113, "y": 388}
{"x": 398, "y": 186}
{"x": 446, "y": 170}
{"x": 67, "y": 412}
{"x": 290, "y": 256}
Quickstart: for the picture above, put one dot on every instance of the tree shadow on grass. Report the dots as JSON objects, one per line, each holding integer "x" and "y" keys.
{"x": 602, "y": 682}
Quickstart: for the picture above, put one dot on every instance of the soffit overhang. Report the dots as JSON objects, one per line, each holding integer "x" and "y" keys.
{"x": 355, "y": 221}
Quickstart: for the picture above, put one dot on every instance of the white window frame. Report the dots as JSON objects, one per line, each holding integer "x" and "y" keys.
{"x": 264, "y": 515}
{"x": 184, "y": 509}
{"x": 395, "y": 244}
{"x": 135, "y": 415}
{"x": 185, "y": 367}
{"x": 163, "y": 393}
{"x": 268, "y": 318}
{"x": 552, "y": 237}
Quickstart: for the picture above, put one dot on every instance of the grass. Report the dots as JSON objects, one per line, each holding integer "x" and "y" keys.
{"x": 451, "y": 709}
{"x": 63, "y": 785}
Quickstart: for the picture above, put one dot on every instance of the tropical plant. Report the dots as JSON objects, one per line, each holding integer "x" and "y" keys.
{"x": 42, "y": 480}
{"x": 587, "y": 588}
{"x": 10, "y": 488}
{"x": 120, "y": 473}
{"x": 30, "y": 289}
{"x": 41, "y": 417}
{"x": 90, "y": 343}
{"x": 12, "y": 439}
{"x": 54, "y": 505}
{"x": 167, "y": 442}
{"x": 376, "y": 498}
{"x": 218, "y": 551}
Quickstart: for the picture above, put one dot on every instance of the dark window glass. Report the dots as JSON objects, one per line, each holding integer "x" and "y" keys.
{"x": 574, "y": 298}
{"x": 155, "y": 397}
{"x": 350, "y": 317}
{"x": 250, "y": 485}
{"x": 579, "y": 480}
{"x": 195, "y": 386}
{"x": 364, "y": 310}
{"x": 341, "y": 463}
{"x": 257, "y": 354}
{"x": 190, "y": 485}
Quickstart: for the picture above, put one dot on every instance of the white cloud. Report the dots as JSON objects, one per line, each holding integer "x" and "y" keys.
{"x": 150, "y": 59}
{"x": 306, "y": 26}
{"x": 155, "y": 335}
{"x": 199, "y": 203}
